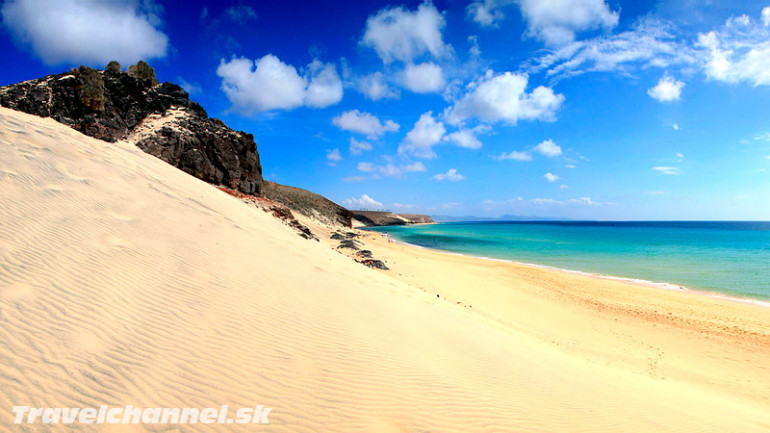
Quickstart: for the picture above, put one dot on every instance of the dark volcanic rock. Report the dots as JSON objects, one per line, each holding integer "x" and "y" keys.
{"x": 110, "y": 105}
{"x": 376, "y": 264}
{"x": 348, "y": 244}
{"x": 364, "y": 254}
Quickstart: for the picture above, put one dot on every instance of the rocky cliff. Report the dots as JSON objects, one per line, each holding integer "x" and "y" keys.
{"x": 377, "y": 218}
{"x": 308, "y": 203}
{"x": 160, "y": 119}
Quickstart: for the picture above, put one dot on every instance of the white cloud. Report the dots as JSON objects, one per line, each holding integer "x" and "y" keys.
{"x": 366, "y": 166}
{"x": 514, "y": 155}
{"x": 269, "y": 84}
{"x": 71, "y": 31}
{"x": 467, "y": 137}
{"x": 325, "y": 87}
{"x": 374, "y": 87}
{"x": 358, "y": 147}
{"x": 390, "y": 169}
{"x": 364, "y": 123}
{"x": 548, "y": 148}
{"x": 667, "y": 170}
{"x": 503, "y": 98}
{"x": 766, "y": 16}
{"x": 668, "y": 89}
{"x": 400, "y": 34}
{"x": 550, "y": 177}
{"x": 423, "y": 78}
{"x": 474, "y": 50}
{"x": 739, "y": 51}
{"x": 680, "y": 156}
{"x": 650, "y": 43}
{"x": 451, "y": 175}
{"x": 333, "y": 156}
{"x": 353, "y": 179}
{"x": 675, "y": 126}
{"x": 420, "y": 140}
{"x": 487, "y": 13}
{"x": 363, "y": 203}
{"x": 554, "y": 22}
{"x": 563, "y": 186}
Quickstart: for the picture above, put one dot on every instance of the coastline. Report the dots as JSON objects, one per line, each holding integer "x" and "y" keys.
{"x": 113, "y": 296}
{"x": 665, "y": 331}
{"x": 662, "y": 285}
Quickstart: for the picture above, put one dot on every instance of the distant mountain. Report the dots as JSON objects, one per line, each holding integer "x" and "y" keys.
{"x": 506, "y": 217}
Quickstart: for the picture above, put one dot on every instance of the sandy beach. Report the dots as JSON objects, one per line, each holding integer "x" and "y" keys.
{"x": 125, "y": 281}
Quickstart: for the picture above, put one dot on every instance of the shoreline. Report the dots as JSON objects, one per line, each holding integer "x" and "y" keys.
{"x": 674, "y": 287}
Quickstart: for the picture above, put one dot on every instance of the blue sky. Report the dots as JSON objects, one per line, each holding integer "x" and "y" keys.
{"x": 561, "y": 108}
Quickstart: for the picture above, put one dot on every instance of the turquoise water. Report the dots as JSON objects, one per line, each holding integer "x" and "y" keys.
{"x": 727, "y": 257}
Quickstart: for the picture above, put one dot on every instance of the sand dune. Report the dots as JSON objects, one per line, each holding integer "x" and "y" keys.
{"x": 126, "y": 281}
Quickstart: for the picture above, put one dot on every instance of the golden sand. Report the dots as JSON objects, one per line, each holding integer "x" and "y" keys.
{"x": 126, "y": 281}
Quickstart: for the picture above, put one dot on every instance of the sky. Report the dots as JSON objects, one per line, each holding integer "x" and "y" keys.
{"x": 580, "y": 109}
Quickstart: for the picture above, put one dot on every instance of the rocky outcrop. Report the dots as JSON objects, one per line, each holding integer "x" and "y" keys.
{"x": 112, "y": 105}
{"x": 307, "y": 203}
{"x": 376, "y": 218}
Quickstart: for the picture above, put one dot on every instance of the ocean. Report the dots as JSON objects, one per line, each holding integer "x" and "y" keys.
{"x": 731, "y": 258}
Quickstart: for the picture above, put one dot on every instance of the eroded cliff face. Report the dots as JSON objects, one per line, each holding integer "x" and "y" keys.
{"x": 160, "y": 119}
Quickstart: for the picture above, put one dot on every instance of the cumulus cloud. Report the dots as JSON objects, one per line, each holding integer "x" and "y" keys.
{"x": 467, "y": 137}
{"x": 426, "y": 133}
{"x": 374, "y": 87}
{"x": 363, "y": 203}
{"x": 401, "y": 34}
{"x": 668, "y": 89}
{"x": 358, "y": 147}
{"x": 451, "y": 175}
{"x": 550, "y": 177}
{"x": 766, "y": 16}
{"x": 424, "y": 78}
{"x": 364, "y": 123}
{"x": 548, "y": 148}
{"x": 325, "y": 86}
{"x": 514, "y": 155}
{"x": 503, "y": 98}
{"x": 269, "y": 84}
{"x": 667, "y": 170}
{"x": 740, "y": 51}
{"x": 71, "y": 31}
{"x": 554, "y": 22}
